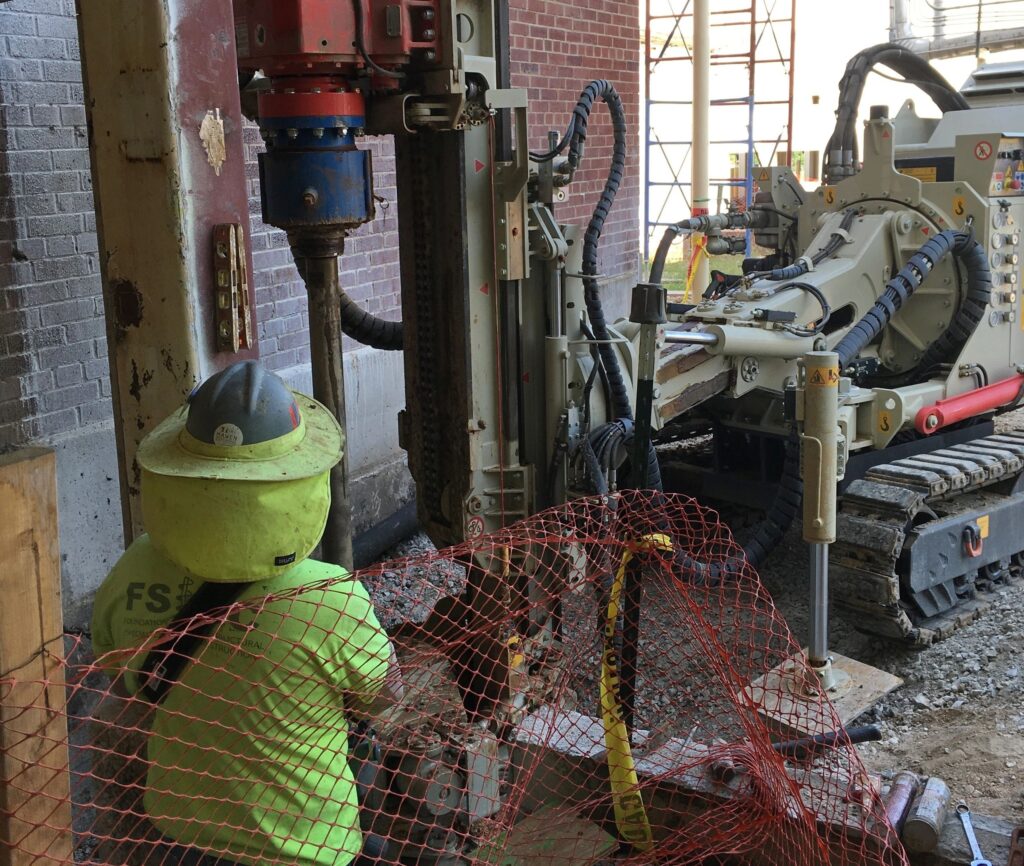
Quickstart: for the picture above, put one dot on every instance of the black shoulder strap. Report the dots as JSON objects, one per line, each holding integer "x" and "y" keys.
{"x": 165, "y": 664}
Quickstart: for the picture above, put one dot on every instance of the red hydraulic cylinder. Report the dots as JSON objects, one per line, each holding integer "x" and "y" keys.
{"x": 953, "y": 409}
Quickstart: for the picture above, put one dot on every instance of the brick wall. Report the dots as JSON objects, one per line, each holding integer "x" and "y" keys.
{"x": 557, "y": 49}
{"x": 53, "y": 364}
{"x": 53, "y": 368}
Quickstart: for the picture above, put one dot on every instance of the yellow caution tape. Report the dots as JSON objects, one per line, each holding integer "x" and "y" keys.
{"x": 630, "y": 815}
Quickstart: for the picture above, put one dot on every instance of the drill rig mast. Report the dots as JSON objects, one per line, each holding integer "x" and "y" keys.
{"x": 495, "y": 331}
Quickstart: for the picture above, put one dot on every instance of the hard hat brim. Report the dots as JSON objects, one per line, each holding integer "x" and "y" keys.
{"x": 164, "y": 451}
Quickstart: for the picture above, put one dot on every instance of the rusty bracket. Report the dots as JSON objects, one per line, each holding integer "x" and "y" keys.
{"x": 233, "y": 317}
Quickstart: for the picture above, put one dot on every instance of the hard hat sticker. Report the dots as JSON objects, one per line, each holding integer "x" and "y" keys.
{"x": 228, "y": 434}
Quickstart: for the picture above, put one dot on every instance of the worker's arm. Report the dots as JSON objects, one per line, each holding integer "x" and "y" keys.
{"x": 391, "y": 692}
{"x": 369, "y": 669}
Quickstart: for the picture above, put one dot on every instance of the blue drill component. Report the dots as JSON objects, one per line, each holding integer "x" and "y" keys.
{"x": 312, "y": 175}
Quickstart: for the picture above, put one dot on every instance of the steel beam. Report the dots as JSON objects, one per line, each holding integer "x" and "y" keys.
{"x": 168, "y": 165}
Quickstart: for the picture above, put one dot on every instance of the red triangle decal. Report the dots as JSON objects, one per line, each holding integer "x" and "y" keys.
{"x": 925, "y": 230}
{"x": 485, "y": 288}
{"x": 479, "y": 166}
{"x": 886, "y": 134}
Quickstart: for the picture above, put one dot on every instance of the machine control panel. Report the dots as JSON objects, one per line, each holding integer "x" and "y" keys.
{"x": 1004, "y": 260}
{"x": 1008, "y": 168}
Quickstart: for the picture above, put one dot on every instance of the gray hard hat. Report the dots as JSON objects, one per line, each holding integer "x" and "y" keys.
{"x": 241, "y": 405}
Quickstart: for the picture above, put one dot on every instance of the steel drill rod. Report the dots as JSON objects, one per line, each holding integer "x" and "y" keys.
{"x": 899, "y": 798}
{"x": 806, "y": 747}
{"x": 634, "y": 588}
{"x": 324, "y": 291}
{"x": 818, "y": 648}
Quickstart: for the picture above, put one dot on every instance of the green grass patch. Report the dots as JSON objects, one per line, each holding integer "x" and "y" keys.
{"x": 674, "y": 276}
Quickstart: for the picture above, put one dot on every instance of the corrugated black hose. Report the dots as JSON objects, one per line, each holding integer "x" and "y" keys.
{"x": 362, "y": 326}
{"x": 621, "y": 408}
{"x": 914, "y": 68}
{"x": 966, "y": 320}
{"x": 368, "y": 328}
{"x": 605, "y": 91}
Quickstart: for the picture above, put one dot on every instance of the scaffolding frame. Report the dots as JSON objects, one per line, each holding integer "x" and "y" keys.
{"x": 764, "y": 18}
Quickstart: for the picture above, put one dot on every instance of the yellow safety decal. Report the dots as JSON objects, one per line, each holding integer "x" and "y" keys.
{"x": 983, "y": 526}
{"x": 959, "y": 205}
{"x": 924, "y": 173}
{"x": 764, "y": 175}
{"x": 829, "y": 192}
{"x": 884, "y": 422}
{"x": 630, "y": 814}
{"x": 823, "y": 377}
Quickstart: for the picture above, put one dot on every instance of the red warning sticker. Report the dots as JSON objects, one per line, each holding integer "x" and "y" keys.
{"x": 479, "y": 166}
{"x": 983, "y": 150}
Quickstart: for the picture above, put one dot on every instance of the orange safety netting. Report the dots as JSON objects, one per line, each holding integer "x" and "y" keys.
{"x": 508, "y": 746}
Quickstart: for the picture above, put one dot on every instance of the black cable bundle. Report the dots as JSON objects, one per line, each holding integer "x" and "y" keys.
{"x": 841, "y": 154}
{"x": 605, "y": 91}
{"x": 897, "y": 291}
{"x": 972, "y": 256}
{"x": 600, "y": 447}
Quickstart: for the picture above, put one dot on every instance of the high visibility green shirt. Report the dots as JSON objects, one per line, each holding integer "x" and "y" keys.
{"x": 248, "y": 751}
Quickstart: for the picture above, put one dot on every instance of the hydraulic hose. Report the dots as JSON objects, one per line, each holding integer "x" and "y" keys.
{"x": 605, "y": 91}
{"x": 367, "y": 328}
{"x": 802, "y": 265}
{"x": 841, "y": 153}
{"x": 356, "y": 322}
{"x": 661, "y": 254}
{"x": 898, "y": 290}
{"x": 783, "y": 509}
{"x": 620, "y": 404}
{"x": 616, "y": 437}
{"x": 972, "y": 256}
{"x": 896, "y": 293}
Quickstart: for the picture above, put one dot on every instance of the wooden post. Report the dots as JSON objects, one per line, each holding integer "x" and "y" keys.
{"x": 35, "y": 802}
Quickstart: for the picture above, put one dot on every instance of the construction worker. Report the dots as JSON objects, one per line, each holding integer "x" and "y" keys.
{"x": 248, "y": 752}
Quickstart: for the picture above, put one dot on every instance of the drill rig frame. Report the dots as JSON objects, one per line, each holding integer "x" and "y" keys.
{"x": 908, "y": 270}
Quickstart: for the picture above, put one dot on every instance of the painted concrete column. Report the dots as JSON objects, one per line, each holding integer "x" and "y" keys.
{"x": 168, "y": 166}
{"x": 700, "y": 194}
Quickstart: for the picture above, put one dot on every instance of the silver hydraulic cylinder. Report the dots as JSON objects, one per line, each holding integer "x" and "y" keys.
{"x": 742, "y": 341}
{"x": 819, "y": 459}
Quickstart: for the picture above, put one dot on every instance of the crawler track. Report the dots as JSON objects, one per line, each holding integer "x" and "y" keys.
{"x": 935, "y": 499}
